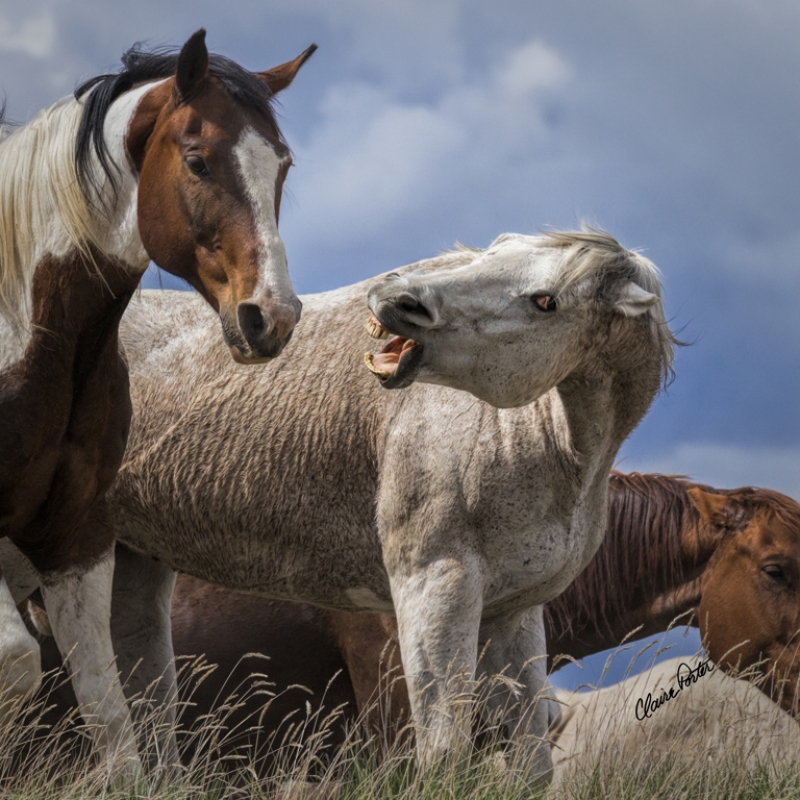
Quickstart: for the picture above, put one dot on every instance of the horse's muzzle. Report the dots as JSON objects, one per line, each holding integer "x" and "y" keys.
{"x": 265, "y": 326}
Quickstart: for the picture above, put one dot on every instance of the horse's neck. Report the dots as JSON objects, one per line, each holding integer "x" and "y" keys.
{"x": 74, "y": 288}
{"x": 632, "y": 583}
{"x": 604, "y": 403}
{"x": 75, "y": 309}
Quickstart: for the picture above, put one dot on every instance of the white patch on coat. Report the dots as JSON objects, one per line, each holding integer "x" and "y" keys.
{"x": 78, "y": 604}
{"x": 20, "y": 657}
{"x": 18, "y": 573}
{"x": 259, "y": 166}
{"x": 121, "y": 237}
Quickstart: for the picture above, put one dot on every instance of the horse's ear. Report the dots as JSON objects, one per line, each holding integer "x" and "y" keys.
{"x": 192, "y": 67}
{"x": 278, "y": 78}
{"x": 711, "y": 507}
{"x": 633, "y": 300}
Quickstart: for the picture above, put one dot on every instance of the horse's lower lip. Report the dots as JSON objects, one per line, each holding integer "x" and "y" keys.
{"x": 404, "y": 373}
{"x": 240, "y": 358}
{"x": 407, "y": 369}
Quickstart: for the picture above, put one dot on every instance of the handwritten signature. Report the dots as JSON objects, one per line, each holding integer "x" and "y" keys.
{"x": 685, "y": 675}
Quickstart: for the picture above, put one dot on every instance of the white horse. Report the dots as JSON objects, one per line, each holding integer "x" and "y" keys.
{"x": 305, "y": 480}
{"x": 683, "y": 713}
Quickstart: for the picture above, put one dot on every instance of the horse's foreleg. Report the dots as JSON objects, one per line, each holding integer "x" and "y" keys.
{"x": 438, "y": 614}
{"x": 78, "y": 604}
{"x": 370, "y": 649}
{"x": 20, "y": 657}
{"x": 142, "y": 635}
{"x": 516, "y": 650}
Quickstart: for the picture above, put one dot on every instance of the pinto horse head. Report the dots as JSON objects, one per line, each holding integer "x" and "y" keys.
{"x": 211, "y": 164}
{"x": 749, "y": 612}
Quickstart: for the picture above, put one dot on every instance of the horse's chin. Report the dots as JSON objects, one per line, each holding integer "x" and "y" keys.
{"x": 240, "y": 358}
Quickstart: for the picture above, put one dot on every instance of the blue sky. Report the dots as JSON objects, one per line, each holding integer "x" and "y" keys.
{"x": 421, "y": 122}
{"x": 675, "y": 126}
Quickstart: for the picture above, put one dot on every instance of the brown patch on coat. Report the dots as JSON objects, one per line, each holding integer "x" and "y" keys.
{"x": 65, "y": 414}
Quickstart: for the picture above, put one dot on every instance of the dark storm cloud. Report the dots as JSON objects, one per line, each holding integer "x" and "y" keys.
{"x": 673, "y": 125}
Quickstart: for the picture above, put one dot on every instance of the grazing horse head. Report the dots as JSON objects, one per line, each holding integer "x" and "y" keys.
{"x": 211, "y": 163}
{"x": 514, "y": 320}
{"x": 749, "y": 611}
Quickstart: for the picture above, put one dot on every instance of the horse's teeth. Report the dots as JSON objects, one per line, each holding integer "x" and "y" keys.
{"x": 375, "y": 329}
{"x": 372, "y": 368}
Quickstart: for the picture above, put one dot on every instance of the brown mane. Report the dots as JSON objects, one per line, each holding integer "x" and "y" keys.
{"x": 640, "y": 554}
{"x": 655, "y": 541}
{"x": 748, "y": 501}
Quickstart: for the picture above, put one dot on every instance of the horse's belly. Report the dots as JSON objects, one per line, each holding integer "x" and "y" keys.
{"x": 346, "y": 574}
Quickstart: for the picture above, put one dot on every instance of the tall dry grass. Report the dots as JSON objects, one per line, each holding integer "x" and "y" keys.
{"x": 228, "y": 760}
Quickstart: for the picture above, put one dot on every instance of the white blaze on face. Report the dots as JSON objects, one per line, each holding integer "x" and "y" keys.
{"x": 259, "y": 166}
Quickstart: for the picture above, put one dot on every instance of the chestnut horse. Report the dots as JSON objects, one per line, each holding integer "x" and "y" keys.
{"x": 176, "y": 158}
{"x": 671, "y": 547}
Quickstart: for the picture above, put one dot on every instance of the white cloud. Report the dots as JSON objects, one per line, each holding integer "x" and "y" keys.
{"x": 530, "y": 68}
{"x": 375, "y": 158}
{"x": 726, "y": 466}
{"x": 35, "y": 36}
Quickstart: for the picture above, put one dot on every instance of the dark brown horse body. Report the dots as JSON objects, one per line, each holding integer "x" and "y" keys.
{"x": 671, "y": 547}
{"x": 185, "y": 154}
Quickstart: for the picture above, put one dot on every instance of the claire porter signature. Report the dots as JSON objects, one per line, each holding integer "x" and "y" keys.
{"x": 685, "y": 675}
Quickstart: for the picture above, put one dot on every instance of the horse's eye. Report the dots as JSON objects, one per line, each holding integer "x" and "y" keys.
{"x": 197, "y": 165}
{"x": 775, "y": 571}
{"x": 546, "y": 302}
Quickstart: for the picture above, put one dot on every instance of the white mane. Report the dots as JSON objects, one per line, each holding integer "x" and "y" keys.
{"x": 42, "y": 206}
{"x": 593, "y": 254}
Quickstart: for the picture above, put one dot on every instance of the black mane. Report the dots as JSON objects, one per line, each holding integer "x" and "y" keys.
{"x": 140, "y": 66}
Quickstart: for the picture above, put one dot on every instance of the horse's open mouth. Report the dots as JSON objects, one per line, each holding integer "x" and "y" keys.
{"x": 397, "y": 363}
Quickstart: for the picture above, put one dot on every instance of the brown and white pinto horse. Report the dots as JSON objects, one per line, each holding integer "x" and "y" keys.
{"x": 177, "y": 158}
{"x": 671, "y": 547}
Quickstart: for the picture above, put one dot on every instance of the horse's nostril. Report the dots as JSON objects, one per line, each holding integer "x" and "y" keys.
{"x": 251, "y": 319}
{"x": 413, "y": 305}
